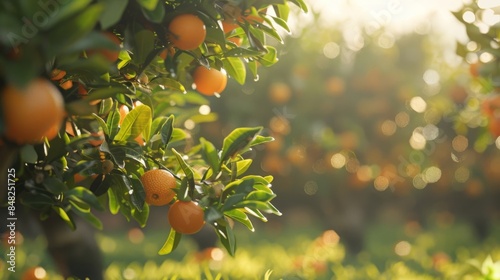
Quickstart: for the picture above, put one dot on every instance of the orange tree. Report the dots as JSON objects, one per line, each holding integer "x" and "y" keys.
{"x": 95, "y": 94}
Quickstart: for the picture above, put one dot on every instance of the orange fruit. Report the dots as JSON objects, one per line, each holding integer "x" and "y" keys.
{"x": 474, "y": 69}
{"x": 229, "y": 25}
{"x": 494, "y": 126}
{"x": 209, "y": 81}
{"x": 109, "y": 55}
{"x": 491, "y": 105}
{"x": 35, "y": 273}
{"x": 57, "y": 74}
{"x": 186, "y": 217}
{"x": 30, "y": 112}
{"x": 69, "y": 128}
{"x": 253, "y": 19}
{"x": 236, "y": 40}
{"x": 158, "y": 185}
{"x": 52, "y": 132}
{"x": 100, "y": 138}
{"x": 124, "y": 110}
{"x": 66, "y": 84}
{"x": 279, "y": 92}
{"x": 82, "y": 91}
{"x": 140, "y": 140}
{"x": 187, "y": 31}
{"x": 167, "y": 52}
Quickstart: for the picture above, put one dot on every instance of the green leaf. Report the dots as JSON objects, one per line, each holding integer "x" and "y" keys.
{"x": 138, "y": 194}
{"x": 242, "y": 166}
{"x": 178, "y": 135}
{"x": 144, "y": 41}
{"x": 210, "y": 155}
{"x": 85, "y": 195}
{"x": 301, "y": 4}
{"x": 237, "y": 141}
{"x": 242, "y": 52}
{"x": 253, "y": 66}
{"x": 79, "y": 205}
{"x": 114, "y": 205}
{"x": 168, "y": 83}
{"x": 167, "y": 129}
{"x": 240, "y": 216}
{"x": 212, "y": 215}
{"x": 259, "y": 139}
{"x": 282, "y": 11}
{"x": 37, "y": 200}
{"x": 281, "y": 23}
{"x": 64, "y": 216}
{"x": 28, "y": 154}
{"x": 235, "y": 69}
{"x": 232, "y": 200}
{"x": 106, "y": 92}
{"x": 141, "y": 216}
{"x": 262, "y": 196}
{"x": 64, "y": 11}
{"x": 57, "y": 149}
{"x": 155, "y": 15}
{"x": 137, "y": 121}
{"x": 156, "y": 125}
{"x": 270, "y": 58}
{"x": 54, "y": 185}
{"x": 172, "y": 241}
{"x": 100, "y": 185}
{"x": 226, "y": 237}
{"x": 272, "y": 32}
{"x": 91, "y": 218}
{"x": 256, "y": 213}
{"x": 112, "y": 13}
{"x": 186, "y": 169}
{"x": 183, "y": 192}
{"x": 112, "y": 122}
{"x": 70, "y": 31}
{"x": 148, "y": 4}
{"x": 102, "y": 123}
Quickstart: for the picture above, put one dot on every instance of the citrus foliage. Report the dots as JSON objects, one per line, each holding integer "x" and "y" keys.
{"x": 124, "y": 73}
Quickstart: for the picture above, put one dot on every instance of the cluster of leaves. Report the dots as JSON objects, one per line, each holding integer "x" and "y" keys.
{"x": 100, "y": 144}
{"x": 483, "y": 39}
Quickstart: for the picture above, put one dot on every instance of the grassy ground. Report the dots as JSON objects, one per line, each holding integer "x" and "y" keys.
{"x": 392, "y": 252}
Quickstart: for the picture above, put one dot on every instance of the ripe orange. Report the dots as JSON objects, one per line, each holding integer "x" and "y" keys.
{"x": 82, "y": 91}
{"x": 186, "y": 217}
{"x": 229, "y": 25}
{"x": 491, "y": 105}
{"x": 236, "y": 40}
{"x": 494, "y": 126}
{"x": 187, "y": 31}
{"x": 30, "y": 112}
{"x": 100, "y": 138}
{"x": 167, "y": 52}
{"x": 110, "y": 55}
{"x": 66, "y": 84}
{"x": 279, "y": 92}
{"x": 52, "y": 132}
{"x": 57, "y": 74}
{"x": 158, "y": 185}
{"x": 140, "y": 140}
{"x": 35, "y": 273}
{"x": 474, "y": 69}
{"x": 209, "y": 81}
{"x": 124, "y": 110}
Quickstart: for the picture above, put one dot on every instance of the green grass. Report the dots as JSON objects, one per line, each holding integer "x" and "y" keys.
{"x": 442, "y": 252}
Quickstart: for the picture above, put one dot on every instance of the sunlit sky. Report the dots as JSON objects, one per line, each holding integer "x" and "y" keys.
{"x": 399, "y": 16}
{"x": 396, "y": 17}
